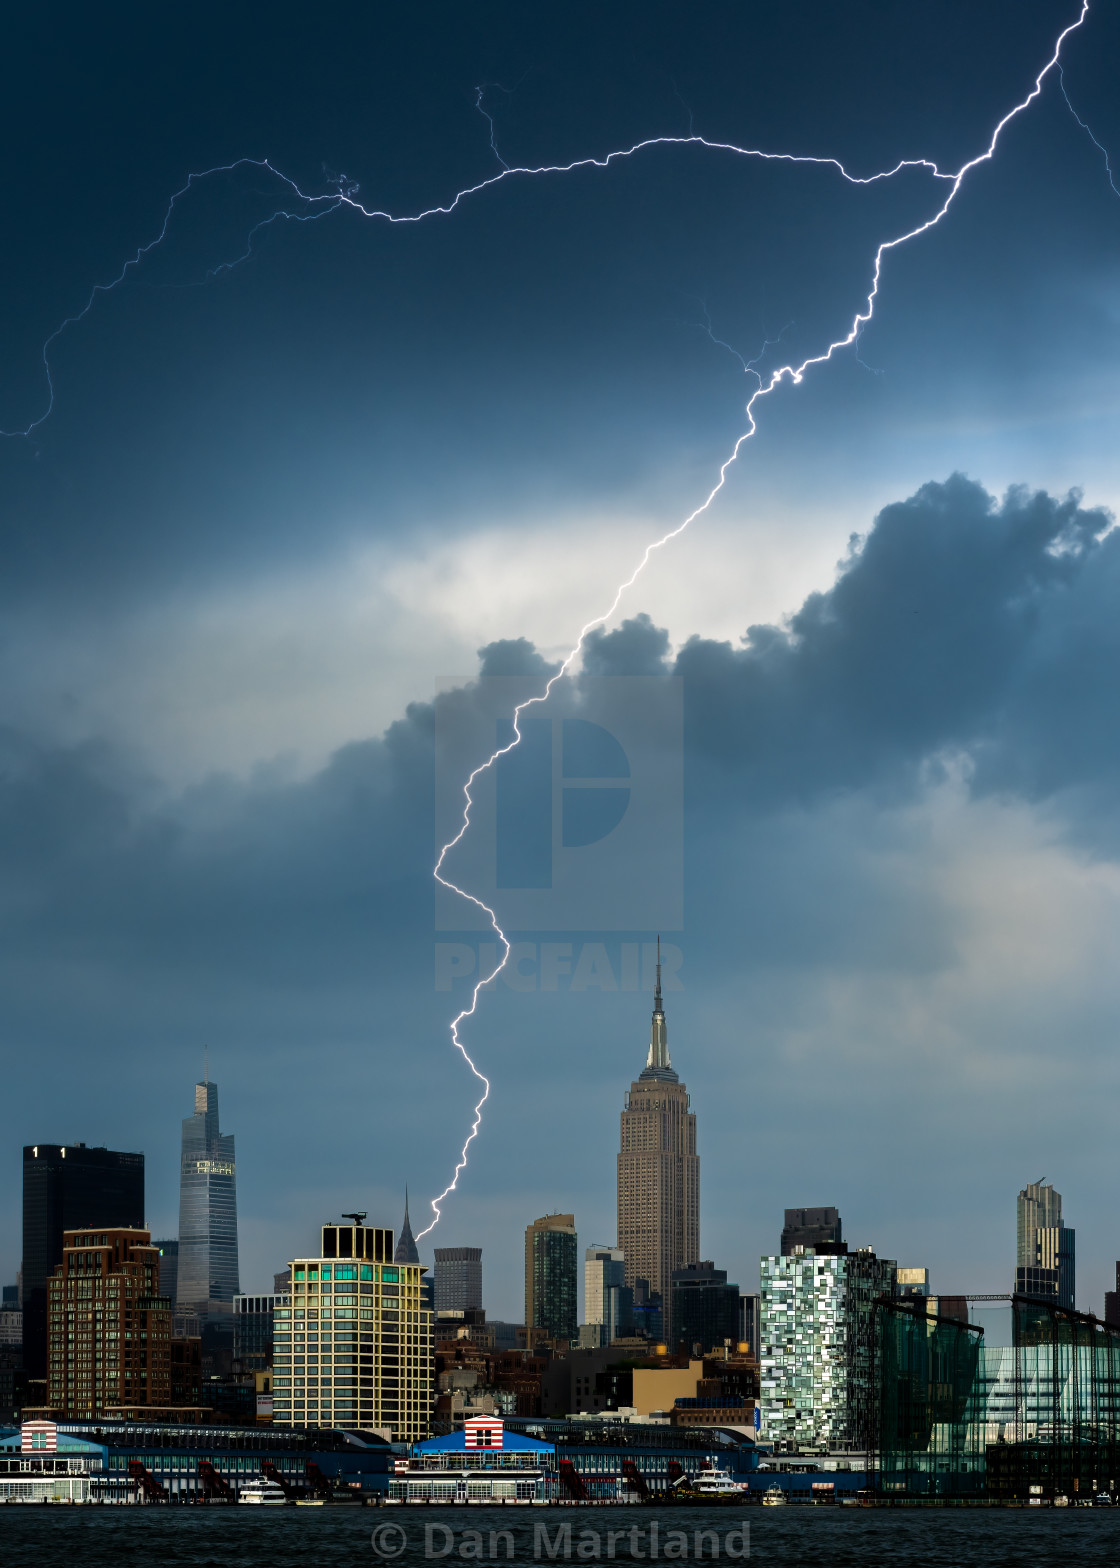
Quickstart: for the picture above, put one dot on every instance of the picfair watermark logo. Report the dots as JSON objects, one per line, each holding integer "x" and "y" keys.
{"x": 560, "y": 966}
{"x": 579, "y": 827}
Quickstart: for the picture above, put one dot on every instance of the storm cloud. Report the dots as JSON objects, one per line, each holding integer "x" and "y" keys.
{"x": 967, "y": 652}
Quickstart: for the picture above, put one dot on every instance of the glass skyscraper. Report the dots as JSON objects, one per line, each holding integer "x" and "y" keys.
{"x": 1045, "y": 1264}
{"x": 550, "y": 1276}
{"x": 207, "y": 1275}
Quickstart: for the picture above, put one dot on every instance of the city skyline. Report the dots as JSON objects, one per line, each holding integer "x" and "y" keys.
{"x": 1038, "y": 1235}
{"x": 1044, "y": 1245}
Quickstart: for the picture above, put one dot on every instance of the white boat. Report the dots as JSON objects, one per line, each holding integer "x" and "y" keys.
{"x": 773, "y": 1497}
{"x": 718, "y": 1484}
{"x": 262, "y": 1490}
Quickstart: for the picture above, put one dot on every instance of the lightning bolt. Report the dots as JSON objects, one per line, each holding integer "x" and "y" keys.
{"x": 794, "y": 374}
{"x": 345, "y": 195}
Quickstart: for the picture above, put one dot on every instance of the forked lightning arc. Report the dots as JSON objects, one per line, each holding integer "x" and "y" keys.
{"x": 344, "y": 194}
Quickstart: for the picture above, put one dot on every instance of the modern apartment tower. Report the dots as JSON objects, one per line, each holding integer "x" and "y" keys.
{"x": 817, "y": 1349}
{"x": 66, "y": 1187}
{"x": 1045, "y": 1263}
{"x": 658, "y": 1172}
{"x": 353, "y": 1348}
{"x": 458, "y": 1282}
{"x": 207, "y": 1278}
{"x": 551, "y": 1276}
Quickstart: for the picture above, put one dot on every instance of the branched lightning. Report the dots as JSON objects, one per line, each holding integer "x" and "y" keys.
{"x": 344, "y": 194}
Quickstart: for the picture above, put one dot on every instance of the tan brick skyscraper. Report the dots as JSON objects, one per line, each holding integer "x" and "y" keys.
{"x": 658, "y": 1171}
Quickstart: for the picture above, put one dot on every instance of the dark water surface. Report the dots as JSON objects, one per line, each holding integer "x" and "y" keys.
{"x": 340, "y": 1537}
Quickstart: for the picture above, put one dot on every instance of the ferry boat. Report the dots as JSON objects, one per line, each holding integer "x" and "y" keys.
{"x": 260, "y": 1491}
{"x": 719, "y": 1484}
{"x": 774, "y": 1497}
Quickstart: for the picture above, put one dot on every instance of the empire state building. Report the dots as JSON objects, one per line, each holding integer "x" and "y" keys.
{"x": 658, "y": 1171}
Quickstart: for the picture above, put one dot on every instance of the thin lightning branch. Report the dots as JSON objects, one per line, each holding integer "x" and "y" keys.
{"x": 794, "y": 374}
{"x": 280, "y": 214}
{"x": 489, "y": 118}
{"x": 748, "y": 366}
{"x": 686, "y": 106}
{"x": 1101, "y": 148}
{"x": 129, "y": 266}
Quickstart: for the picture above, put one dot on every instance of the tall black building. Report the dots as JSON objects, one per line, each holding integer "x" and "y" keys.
{"x": 817, "y": 1228}
{"x": 68, "y": 1187}
{"x": 705, "y": 1307}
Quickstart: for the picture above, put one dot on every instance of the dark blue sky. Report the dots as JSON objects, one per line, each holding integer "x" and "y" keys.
{"x": 273, "y": 511}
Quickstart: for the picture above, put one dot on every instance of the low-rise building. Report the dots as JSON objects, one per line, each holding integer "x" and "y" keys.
{"x": 36, "y": 1468}
{"x": 166, "y": 1462}
{"x": 583, "y": 1461}
{"x": 481, "y": 1463}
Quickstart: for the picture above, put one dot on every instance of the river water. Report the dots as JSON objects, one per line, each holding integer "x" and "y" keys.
{"x": 342, "y": 1537}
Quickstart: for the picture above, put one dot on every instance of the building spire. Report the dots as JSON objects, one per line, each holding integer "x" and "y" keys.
{"x": 406, "y": 1246}
{"x": 657, "y": 1060}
